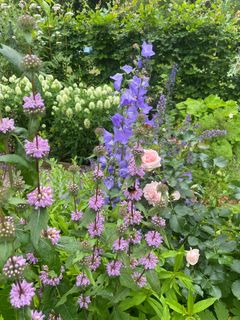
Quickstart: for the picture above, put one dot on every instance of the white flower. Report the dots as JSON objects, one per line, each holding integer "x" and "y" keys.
{"x": 192, "y": 256}
{"x": 231, "y": 115}
{"x": 87, "y": 123}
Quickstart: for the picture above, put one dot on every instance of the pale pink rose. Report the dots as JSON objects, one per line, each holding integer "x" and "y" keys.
{"x": 150, "y": 160}
{"x": 192, "y": 256}
{"x": 176, "y": 195}
{"x": 152, "y": 194}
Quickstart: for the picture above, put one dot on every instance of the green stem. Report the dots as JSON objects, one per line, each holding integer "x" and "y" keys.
{"x": 10, "y": 173}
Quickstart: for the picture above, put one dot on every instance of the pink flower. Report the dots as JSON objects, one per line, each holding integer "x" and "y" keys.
{"x": 152, "y": 194}
{"x": 6, "y": 125}
{"x": 82, "y": 280}
{"x": 150, "y": 160}
{"x": 21, "y": 294}
{"x": 153, "y": 239}
{"x": 37, "y": 315}
{"x": 40, "y": 199}
{"x": 120, "y": 245}
{"x": 76, "y": 215}
{"x": 53, "y": 235}
{"x": 33, "y": 103}
{"x": 114, "y": 268}
{"x": 84, "y": 301}
{"x": 139, "y": 279}
{"x": 192, "y": 256}
{"x": 38, "y": 148}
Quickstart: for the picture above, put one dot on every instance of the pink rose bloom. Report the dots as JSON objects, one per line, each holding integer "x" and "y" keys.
{"x": 150, "y": 160}
{"x": 192, "y": 256}
{"x": 152, "y": 194}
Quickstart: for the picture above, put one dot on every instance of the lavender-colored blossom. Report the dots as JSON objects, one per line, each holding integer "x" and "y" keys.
{"x": 134, "y": 192}
{"x": 31, "y": 258}
{"x": 147, "y": 50}
{"x": 41, "y": 199}
{"x": 153, "y": 239}
{"x": 118, "y": 77}
{"x": 21, "y": 294}
{"x": 109, "y": 182}
{"x": 158, "y": 221}
{"x": 33, "y": 103}
{"x": 97, "y": 227}
{"x": 136, "y": 237}
{"x": 76, "y": 215}
{"x": 139, "y": 279}
{"x": 209, "y": 134}
{"x": 53, "y": 235}
{"x": 135, "y": 170}
{"x": 128, "y": 69}
{"x": 37, "y": 315}
{"x": 6, "y": 125}
{"x": 49, "y": 279}
{"x": 14, "y": 266}
{"x": 134, "y": 263}
{"x": 83, "y": 301}
{"x": 98, "y": 173}
{"x": 118, "y": 120}
{"x": 114, "y": 268}
{"x": 134, "y": 217}
{"x": 120, "y": 245}
{"x": 82, "y": 280}
{"x": 96, "y": 201}
{"x": 93, "y": 261}
{"x": 38, "y": 148}
{"x": 149, "y": 262}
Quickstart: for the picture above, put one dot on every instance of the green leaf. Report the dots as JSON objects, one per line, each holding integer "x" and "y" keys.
{"x": 221, "y": 311}
{"x": 236, "y": 289}
{"x": 202, "y": 305}
{"x": 119, "y": 315}
{"x": 174, "y": 305}
{"x": 6, "y": 249}
{"x": 220, "y": 162}
{"x": 207, "y": 315}
{"x": 137, "y": 299}
{"x": 63, "y": 299}
{"x": 38, "y": 221}
{"x": 235, "y": 266}
{"x": 156, "y": 306}
{"x": 14, "y": 159}
{"x": 12, "y": 55}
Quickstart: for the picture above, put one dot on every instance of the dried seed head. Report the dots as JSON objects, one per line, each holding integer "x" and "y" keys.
{"x": 74, "y": 168}
{"x": 73, "y": 188}
{"x": 31, "y": 62}
{"x": 7, "y": 227}
{"x": 14, "y": 267}
{"x": 27, "y": 23}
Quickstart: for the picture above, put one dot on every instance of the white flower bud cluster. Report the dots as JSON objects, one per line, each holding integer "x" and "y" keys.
{"x": 31, "y": 62}
{"x": 7, "y": 227}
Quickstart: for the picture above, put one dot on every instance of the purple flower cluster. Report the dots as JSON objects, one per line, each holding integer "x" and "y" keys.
{"x": 33, "y": 104}
{"x": 40, "y": 198}
{"x": 153, "y": 239}
{"x": 96, "y": 228}
{"x": 37, "y": 315}
{"x": 96, "y": 201}
{"x": 76, "y": 215}
{"x": 50, "y": 279}
{"x": 84, "y": 301}
{"x": 114, "y": 268}
{"x": 82, "y": 280}
{"x": 14, "y": 266}
{"x": 21, "y": 294}
{"x": 53, "y": 235}
{"x": 209, "y": 134}
{"x": 6, "y": 125}
{"x": 38, "y": 148}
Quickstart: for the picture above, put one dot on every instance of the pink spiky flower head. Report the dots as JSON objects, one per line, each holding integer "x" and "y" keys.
{"x": 33, "y": 104}
{"x": 40, "y": 199}
{"x": 38, "y": 148}
{"x": 6, "y": 125}
{"x": 21, "y": 294}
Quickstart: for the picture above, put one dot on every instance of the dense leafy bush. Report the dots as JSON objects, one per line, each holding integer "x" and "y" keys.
{"x": 202, "y": 39}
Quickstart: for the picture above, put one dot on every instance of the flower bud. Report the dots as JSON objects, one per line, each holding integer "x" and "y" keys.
{"x": 74, "y": 168}
{"x": 14, "y": 267}
{"x": 31, "y": 62}
{"x": 78, "y": 107}
{"x": 27, "y": 23}
{"x": 7, "y": 227}
{"x": 69, "y": 113}
{"x": 107, "y": 104}
{"x": 91, "y": 105}
{"x": 99, "y": 132}
{"x": 99, "y": 104}
{"x": 7, "y": 109}
{"x": 99, "y": 151}
{"x": 73, "y": 188}
{"x": 87, "y": 123}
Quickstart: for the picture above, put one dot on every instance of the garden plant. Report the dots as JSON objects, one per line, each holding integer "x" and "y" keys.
{"x": 150, "y": 228}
